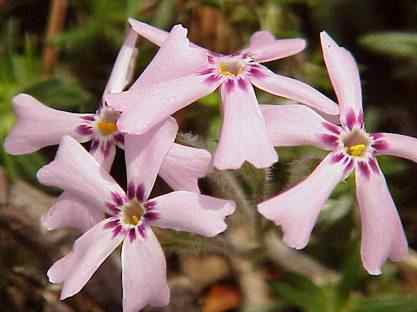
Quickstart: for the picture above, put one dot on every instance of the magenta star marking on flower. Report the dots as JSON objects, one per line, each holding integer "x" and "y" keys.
{"x": 351, "y": 148}
{"x": 129, "y": 216}
{"x": 195, "y": 72}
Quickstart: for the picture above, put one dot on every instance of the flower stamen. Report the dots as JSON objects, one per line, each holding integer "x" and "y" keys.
{"x": 231, "y": 69}
{"x": 356, "y": 150}
{"x": 107, "y": 127}
{"x": 132, "y": 213}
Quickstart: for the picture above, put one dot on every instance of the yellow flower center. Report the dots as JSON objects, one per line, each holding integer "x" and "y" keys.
{"x": 356, "y": 150}
{"x": 231, "y": 68}
{"x": 106, "y": 127}
{"x": 132, "y": 213}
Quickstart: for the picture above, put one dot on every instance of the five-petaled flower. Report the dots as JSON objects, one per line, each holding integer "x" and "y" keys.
{"x": 351, "y": 148}
{"x": 38, "y": 125}
{"x": 130, "y": 216}
{"x": 195, "y": 72}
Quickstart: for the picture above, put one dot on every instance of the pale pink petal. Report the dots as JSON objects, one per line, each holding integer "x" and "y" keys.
{"x": 144, "y": 274}
{"x": 153, "y": 34}
{"x": 76, "y": 171}
{"x": 294, "y": 124}
{"x": 297, "y": 209}
{"x": 106, "y": 161}
{"x": 176, "y": 58}
{"x": 38, "y": 126}
{"x": 155, "y": 103}
{"x": 398, "y": 145}
{"x": 123, "y": 68}
{"x": 243, "y": 135}
{"x": 183, "y": 166}
{"x": 89, "y": 252}
{"x": 263, "y": 47}
{"x": 192, "y": 212}
{"x": 382, "y": 232}
{"x": 292, "y": 89}
{"x": 69, "y": 211}
{"x": 344, "y": 75}
{"x": 145, "y": 153}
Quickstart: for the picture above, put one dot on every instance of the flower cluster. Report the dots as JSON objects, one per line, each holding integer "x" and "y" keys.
{"x": 138, "y": 120}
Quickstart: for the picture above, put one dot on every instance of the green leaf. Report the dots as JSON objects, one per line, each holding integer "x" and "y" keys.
{"x": 393, "y": 303}
{"x": 392, "y": 43}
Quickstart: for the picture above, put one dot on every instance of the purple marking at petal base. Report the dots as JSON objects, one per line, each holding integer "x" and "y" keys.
{"x": 242, "y": 83}
{"x": 380, "y": 145}
{"x": 212, "y": 79}
{"x": 151, "y": 216}
{"x": 346, "y": 160}
{"x": 131, "y": 190}
{"x": 89, "y": 117}
{"x": 349, "y": 166}
{"x": 119, "y": 138}
{"x": 364, "y": 169}
{"x": 257, "y": 73}
{"x": 116, "y": 230}
{"x": 112, "y": 208}
{"x": 210, "y": 59}
{"x": 117, "y": 198}
{"x": 229, "y": 85}
{"x": 84, "y": 130}
{"x": 350, "y": 119}
{"x": 329, "y": 139}
{"x": 141, "y": 229}
{"x": 140, "y": 192}
{"x": 337, "y": 157}
{"x": 376, "y": 135}
{"x": 207, "y": 71}
{"x": 149, "y": 205}
{"x": 94, "y": 145}
{"x": 361, "y": 119}
{"x": 132, "y": 234}
{"x": 111, "y": 224}
{"x": 373, "y": 165}
{"x": 331, "y": 127}
{"x": 105, "y": 148}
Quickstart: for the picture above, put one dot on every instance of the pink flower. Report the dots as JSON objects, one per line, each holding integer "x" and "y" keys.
{"x": 351, "y": 148}
{"x": 38, "y": 126}
{"x": 190, "y": 73}
{"x": 130, "y": 216}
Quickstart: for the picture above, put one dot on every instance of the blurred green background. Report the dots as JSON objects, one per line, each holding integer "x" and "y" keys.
{"x": 68, "y": 70}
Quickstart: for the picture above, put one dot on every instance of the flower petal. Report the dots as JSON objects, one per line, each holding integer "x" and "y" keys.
{"x": 183, "y": 166}
{"x": 243, "y": 135}
{"x": 159, "y": 101}
{"x": 145, "y": 153}
{"x": 38, "y": 126}
{"x": 297, "y": 209}
{"x": 382, "y": 232}
{"x": 153, "y": 34}
{"x": 76, "y": 171}
{"x": 398, "y": 145}
{"x": 144, "y": 274}
{"x": 89, "y": 252}
{"x": 69, "y": 211}
{"x": 164, "y": 66}
{"x": 263, "y": 47}
{"x": 192, "y": 212}
{"x": 105, "y": 159}
{"x": 294, "y": 124}
{"x": 292, "y": 89}
{"x": 122, "y": 71}
{"x": 344, "y": 75}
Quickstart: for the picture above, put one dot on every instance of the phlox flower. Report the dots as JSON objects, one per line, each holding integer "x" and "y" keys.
{"x": 195, "y": 72}
{"x": 351, "y": 148}
{"x": 130, "y": 216}
{"x": 38, "y": 125}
